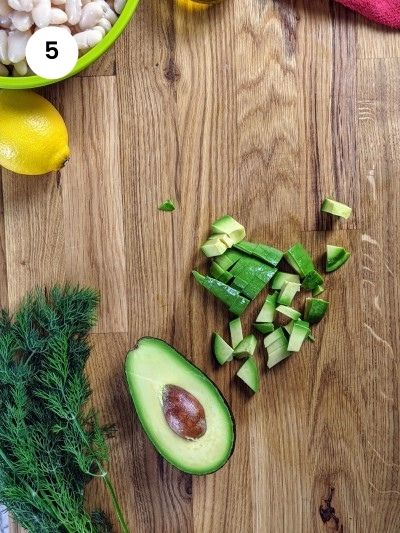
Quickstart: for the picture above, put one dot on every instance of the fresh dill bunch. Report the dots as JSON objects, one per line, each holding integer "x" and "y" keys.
{"x": 51, "y": 443}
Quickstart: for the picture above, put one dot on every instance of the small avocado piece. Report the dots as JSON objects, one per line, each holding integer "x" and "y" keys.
{"x": 268, "y": 310}
{"x": 228, "y": 259}
{"x": 167, "y": 206}
{"x": 253, "y": 288}
{"x": 223, "y": 292}
{"x": 315, "y": 310}
{"x": 277, "y": 355}
{"x": 213, "y": 247}
{"x": 219, "y": 273}
{"x": 278, "y": 334}
{"x": 318, "y": 290}
{"x": 264, "y": 252}
{"x": 288, "y": 311}
{"x": 248, "y": 373}
{"x": 181, "y": 410}
{"x": 231, "y": 227}
{"x": 235, "y": 328}
{"x": 288, "y": 292}
{"x": 299, "y": 259}
{"x": 249, "y": 268}
{"x": 280, "y": 277}
{"x": 222, "y": 351}
{"x": 246, "y": 347}
{"x": 336, "y": 256}
{"x": 333, "y": 207}
{"x": 239, "y": 305}
{"x": 298, "y": 335}
{"x": 264, "y": 327}
{"x": 289, "y": 326}
{"x": 312, "y": 280}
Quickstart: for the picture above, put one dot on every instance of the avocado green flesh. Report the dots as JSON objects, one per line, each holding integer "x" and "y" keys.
{"x": 150, "y": 366}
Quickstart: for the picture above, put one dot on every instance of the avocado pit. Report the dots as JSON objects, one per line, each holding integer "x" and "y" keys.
{"x": 183, "y": 412}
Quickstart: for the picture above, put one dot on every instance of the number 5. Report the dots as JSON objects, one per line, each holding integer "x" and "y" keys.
{"x": 51, "y": 50}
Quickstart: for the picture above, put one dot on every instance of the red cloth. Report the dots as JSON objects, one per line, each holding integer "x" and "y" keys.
{"x": 382, "y": 11}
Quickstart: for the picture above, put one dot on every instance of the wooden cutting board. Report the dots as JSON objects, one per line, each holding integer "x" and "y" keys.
{"x": 258, "y": 109}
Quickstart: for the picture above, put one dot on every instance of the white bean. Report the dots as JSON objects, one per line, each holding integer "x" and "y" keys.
{"x": 100, "y": 29}
{"x": 119, "y": 5}
{"x": 3, "y": 70}
{"x": 21, "y": 21}
{"x": 58, "y": 16}
{"x": 5, "y": 22}
{"x": 104, "y": 23}
{"x": 91, "y": 15}
{"x": 88, "y": 38}
{"x": 73, "y": 10}
{"x": 108, "y": 12}
{"x": 4, "y": 48}
{"x": 21, "y": 68}
{"x": 5, "y": 9}
{"x": 21, "y": 5}
{"x": 17, "y": 41}
{"x": 63, "y": 26}
{"x": 41, "y": 14}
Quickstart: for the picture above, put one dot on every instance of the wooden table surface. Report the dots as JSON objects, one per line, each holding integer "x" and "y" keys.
{"x": 259, "y": 109}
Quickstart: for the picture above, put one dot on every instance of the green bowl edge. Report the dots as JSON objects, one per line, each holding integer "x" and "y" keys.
{"x": 30, "y": 82}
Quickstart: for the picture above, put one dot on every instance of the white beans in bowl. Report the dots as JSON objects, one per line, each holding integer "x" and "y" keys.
{"x": 87, "y": 20}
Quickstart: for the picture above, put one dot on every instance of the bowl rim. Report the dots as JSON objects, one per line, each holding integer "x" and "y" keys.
{"x": 31, "y": 82}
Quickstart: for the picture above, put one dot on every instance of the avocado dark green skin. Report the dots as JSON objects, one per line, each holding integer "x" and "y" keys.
{"x": 222, "y": 396}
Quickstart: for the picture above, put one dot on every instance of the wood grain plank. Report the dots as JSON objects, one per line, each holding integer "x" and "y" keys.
{"x": 147, "y": 107}
{"x": 34, "y": 233}
{"x": 375, "y": 41}
{"x": 92, "y": 199}
{"x": 104, "y": 66}
{"x": 378, "y": 137}
{"x": 327, "y": 81}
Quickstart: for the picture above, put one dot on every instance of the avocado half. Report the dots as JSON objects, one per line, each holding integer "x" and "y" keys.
{"x": 151, "y": 368}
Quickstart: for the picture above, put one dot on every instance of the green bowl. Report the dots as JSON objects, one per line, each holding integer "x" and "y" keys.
{"x": 30, "y": 82}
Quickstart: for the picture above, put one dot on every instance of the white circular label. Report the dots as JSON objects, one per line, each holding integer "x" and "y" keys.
{"x": 52, "y": 52}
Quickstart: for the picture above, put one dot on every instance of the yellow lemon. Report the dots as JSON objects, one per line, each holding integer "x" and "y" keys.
{"x": 33, "y": 135}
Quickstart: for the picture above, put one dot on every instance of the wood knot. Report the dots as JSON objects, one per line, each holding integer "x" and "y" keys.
{"x": 171, "y": 71}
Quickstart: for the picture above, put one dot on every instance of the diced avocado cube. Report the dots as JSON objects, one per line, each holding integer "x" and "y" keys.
{"x": 248, "y": 373}
{"x": 278, "y": 355}
{"x": 280, "y": 277}
{"x": 268, "y": 310}
{"x": 288, "y": 292}
{"x": 298, "y": 336}
{"x": 219, "y": 273}
{"x": 246, "y": 347}
{"x": 220, "y": 290}
{"x": 288, "y": 311}
{"x": 336, "y": 256}
{"x": 289, "y": 326}
{"x": 235, "y": 328}
{"x": 253, "y": 288}
{"x": 264, "y": 327}
{"x": 315, "y": 309}
{"x": 227, "y": 240}
{"x": 228, "y": 259}
{"x": 261, "y": 251}
{"x": 268, "y": 253}
{"x": 239, "y": 305}
{"x": 312, "y": 280}
{"x": 333, "y": 207}
{"x": 277, "y": 344}
{"x": 230, "y": 226}
{"x": 274, "y": 336}
{"x": 239, "y": 283}
{"x": 318, "y": 290}
{"x": 299, "y": 259}
{"x": 213, "y": 247}
{"x": 246, "y": 247}
{"x": 222, "y": 351}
